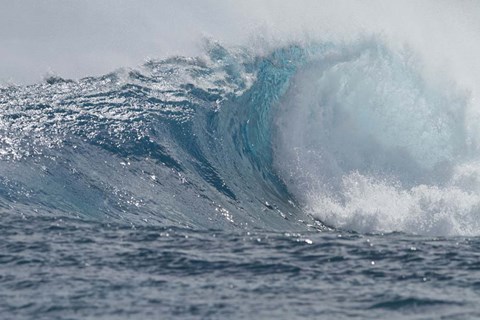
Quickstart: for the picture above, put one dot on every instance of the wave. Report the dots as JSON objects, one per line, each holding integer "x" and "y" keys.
{"x": 349, "y": 135}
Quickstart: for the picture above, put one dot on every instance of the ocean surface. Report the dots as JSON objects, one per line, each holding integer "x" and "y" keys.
{"x": 310, "y": 181}
{"x": 69, "y": 269}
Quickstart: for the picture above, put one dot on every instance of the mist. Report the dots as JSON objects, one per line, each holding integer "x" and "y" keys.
{"x": 74, "y": 39}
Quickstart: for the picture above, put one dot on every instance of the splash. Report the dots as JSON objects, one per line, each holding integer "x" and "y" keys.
{"x": 369, "y": 144}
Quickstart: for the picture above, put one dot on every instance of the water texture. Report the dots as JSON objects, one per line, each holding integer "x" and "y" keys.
{"x": 67, "y": 269}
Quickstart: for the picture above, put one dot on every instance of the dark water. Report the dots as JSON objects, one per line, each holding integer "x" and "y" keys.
{"x": 70, "y": 269}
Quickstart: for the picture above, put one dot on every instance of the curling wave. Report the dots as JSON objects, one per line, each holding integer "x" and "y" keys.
{"x": 347, "y": 135}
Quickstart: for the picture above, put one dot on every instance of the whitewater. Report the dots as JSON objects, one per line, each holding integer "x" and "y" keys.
{"x": 328, "y": 169}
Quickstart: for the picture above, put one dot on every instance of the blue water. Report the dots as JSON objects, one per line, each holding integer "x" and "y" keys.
{"x": 316, "y": 181}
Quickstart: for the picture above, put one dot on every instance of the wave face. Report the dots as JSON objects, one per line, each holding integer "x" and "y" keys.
{"x": 347, "y": 135}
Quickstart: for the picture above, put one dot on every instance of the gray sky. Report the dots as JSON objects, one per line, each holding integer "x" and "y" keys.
{"x": 89, "y": 37}
{"x": 80, "y": 38}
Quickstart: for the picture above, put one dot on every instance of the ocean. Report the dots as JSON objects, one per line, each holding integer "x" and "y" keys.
{"x": 319, "y": 180}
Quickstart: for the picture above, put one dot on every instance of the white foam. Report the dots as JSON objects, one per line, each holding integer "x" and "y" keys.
{"x": 371, "y": 205}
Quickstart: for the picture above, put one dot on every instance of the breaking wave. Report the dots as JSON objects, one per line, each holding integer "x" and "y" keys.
{"x": 347, "y": 135}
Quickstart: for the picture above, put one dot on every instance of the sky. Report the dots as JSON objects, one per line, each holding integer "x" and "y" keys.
{"x": 74, "y": 39}
{"x": 80, "y": 38}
